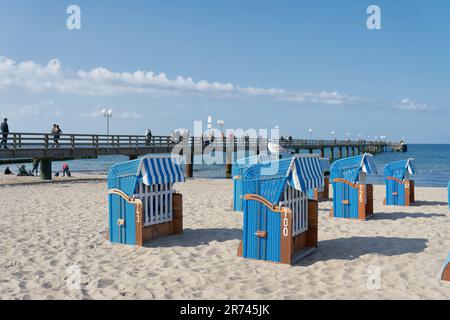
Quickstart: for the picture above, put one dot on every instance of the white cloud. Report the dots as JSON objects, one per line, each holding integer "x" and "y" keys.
{"x": 407, "y": 104}
{"x": 97, "y": 113}
{"x": 130, "y": 115}
{"x": 100, "y": 81}
{"x": 43, "y": 109}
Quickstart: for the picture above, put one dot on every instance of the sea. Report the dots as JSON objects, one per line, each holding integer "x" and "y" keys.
{"x": 432, "y": 165}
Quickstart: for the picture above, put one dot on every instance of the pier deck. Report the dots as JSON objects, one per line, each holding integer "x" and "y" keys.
{"x": 23, "y": 147}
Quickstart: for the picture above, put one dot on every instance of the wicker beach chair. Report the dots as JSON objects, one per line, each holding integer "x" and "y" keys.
{"x": 399, "y": 185}
{"x": 352, "y": 197}
{"x": 322, "y": 193}
{"x": 238, "y": 169}
{"x": 142, "y": 204}
{"x": 279, "y": 221}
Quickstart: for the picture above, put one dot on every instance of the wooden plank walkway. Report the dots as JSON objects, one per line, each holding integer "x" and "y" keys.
{"x": 27, "y": 146}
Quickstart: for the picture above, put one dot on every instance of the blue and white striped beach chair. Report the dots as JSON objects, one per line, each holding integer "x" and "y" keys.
{"x": 322, "y": 193}
{"x": 279, "y": 219}
{"x": 142, "y": 203}
{"x": 399, "y": 185}
{"x": 352, "y": 197}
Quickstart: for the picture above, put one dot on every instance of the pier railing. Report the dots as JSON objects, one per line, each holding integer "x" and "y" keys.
{"x": 46, "y": 141}
{"x": 23, "y": 147}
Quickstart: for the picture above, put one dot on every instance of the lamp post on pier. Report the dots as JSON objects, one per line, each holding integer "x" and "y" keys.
{"x": 107, "y": 113}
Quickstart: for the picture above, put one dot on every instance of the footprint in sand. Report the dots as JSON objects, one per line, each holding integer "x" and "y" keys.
{"x": 104, "y": 283}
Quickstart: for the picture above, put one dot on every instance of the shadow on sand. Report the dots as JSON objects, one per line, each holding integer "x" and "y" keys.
{"x": 196, "y": 237}
{"x": 355, "y": 247}
{"x": 403, "y": 215}
{"x": 429, "y": 203}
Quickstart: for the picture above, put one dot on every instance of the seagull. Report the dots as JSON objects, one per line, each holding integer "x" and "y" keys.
{"x": 276, "y": 148}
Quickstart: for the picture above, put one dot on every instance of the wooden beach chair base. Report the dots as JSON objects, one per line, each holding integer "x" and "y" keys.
{"x": 322, "y": 195}
{"x": 446, "y": 270}
{"x": 143, "y": 234}
{"x": 293, "y": 249}
{"x": 408, "y": 190}
{"x": 365, "y": 208}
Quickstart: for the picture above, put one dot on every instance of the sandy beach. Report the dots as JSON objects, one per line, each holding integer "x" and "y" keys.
{"x": 52, "y": 231}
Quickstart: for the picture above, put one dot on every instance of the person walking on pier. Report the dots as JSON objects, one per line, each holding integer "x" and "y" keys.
{"x": 5, "y": 132}
{"x": 148, "y": 137}
{"x": 56, "y": 132}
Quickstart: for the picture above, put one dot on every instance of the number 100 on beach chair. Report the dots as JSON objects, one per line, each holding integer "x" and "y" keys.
{"x": 280, "y": 222}
{"x": 142, "y": 204}
{"x": 399, "y": 186}
{"x": 352, "y": 197}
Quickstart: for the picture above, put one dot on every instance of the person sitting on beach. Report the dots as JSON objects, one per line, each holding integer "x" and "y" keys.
{"x": 22, "y": 171}
{"x": 66, "y": 170}
{"x": 7, "y": 171}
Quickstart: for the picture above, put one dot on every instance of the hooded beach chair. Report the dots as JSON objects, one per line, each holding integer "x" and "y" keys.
{"x": 238, "y": 169}
{"x": 279, "y": 221}
{"x": 142, "y": 204}
{"x": 322, "y": 193}
{"x": 352, "y": 197}
{"x": 399, "y": 186}
{"x": 446, "y": 270}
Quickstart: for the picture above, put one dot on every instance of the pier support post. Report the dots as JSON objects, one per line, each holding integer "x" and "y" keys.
{"x": 322, "y": 152}
{"x": 311, "y": 150}
{"x": 46, "y": 169}
{"x": 190, "y": 158}
{"x": 132, "y": 157}
{"x": 332, "y": 154}
{"x": 348, "y": 151}
{"x": 228, "y": 165}
{"x": 231, "y": 147}
{"x": 353, "y": 151}
{"x": 340, "y": 153}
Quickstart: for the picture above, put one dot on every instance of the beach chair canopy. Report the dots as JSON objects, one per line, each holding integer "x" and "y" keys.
{"x": 399, "y": 169}
{"x": 244, "y": 163}
{"x": 350, "y": 168}
{"x": 268, "y": 179}
{"x": 325, "y": 164}
{"x": 151, "y": 170}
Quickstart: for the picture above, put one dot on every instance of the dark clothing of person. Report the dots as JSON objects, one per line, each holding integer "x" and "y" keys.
{"x": 56, "y": 132}
{"x": 8, "y": 171}
{"x": 148, "y": 138}
{"x": 5, "y": 130}
{"x": 36, "y": 166}
{"x": 4, "y": 127}
{"x": 22, "y": 171}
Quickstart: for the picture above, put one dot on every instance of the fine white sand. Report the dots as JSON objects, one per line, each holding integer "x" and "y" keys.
{"x": 52, "y": 231}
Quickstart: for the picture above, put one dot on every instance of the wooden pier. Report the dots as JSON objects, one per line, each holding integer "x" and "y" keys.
{"x": 24, "y": 147}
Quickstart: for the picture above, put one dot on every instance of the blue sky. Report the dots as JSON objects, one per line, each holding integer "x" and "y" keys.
{"x": 254, "y": 64}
